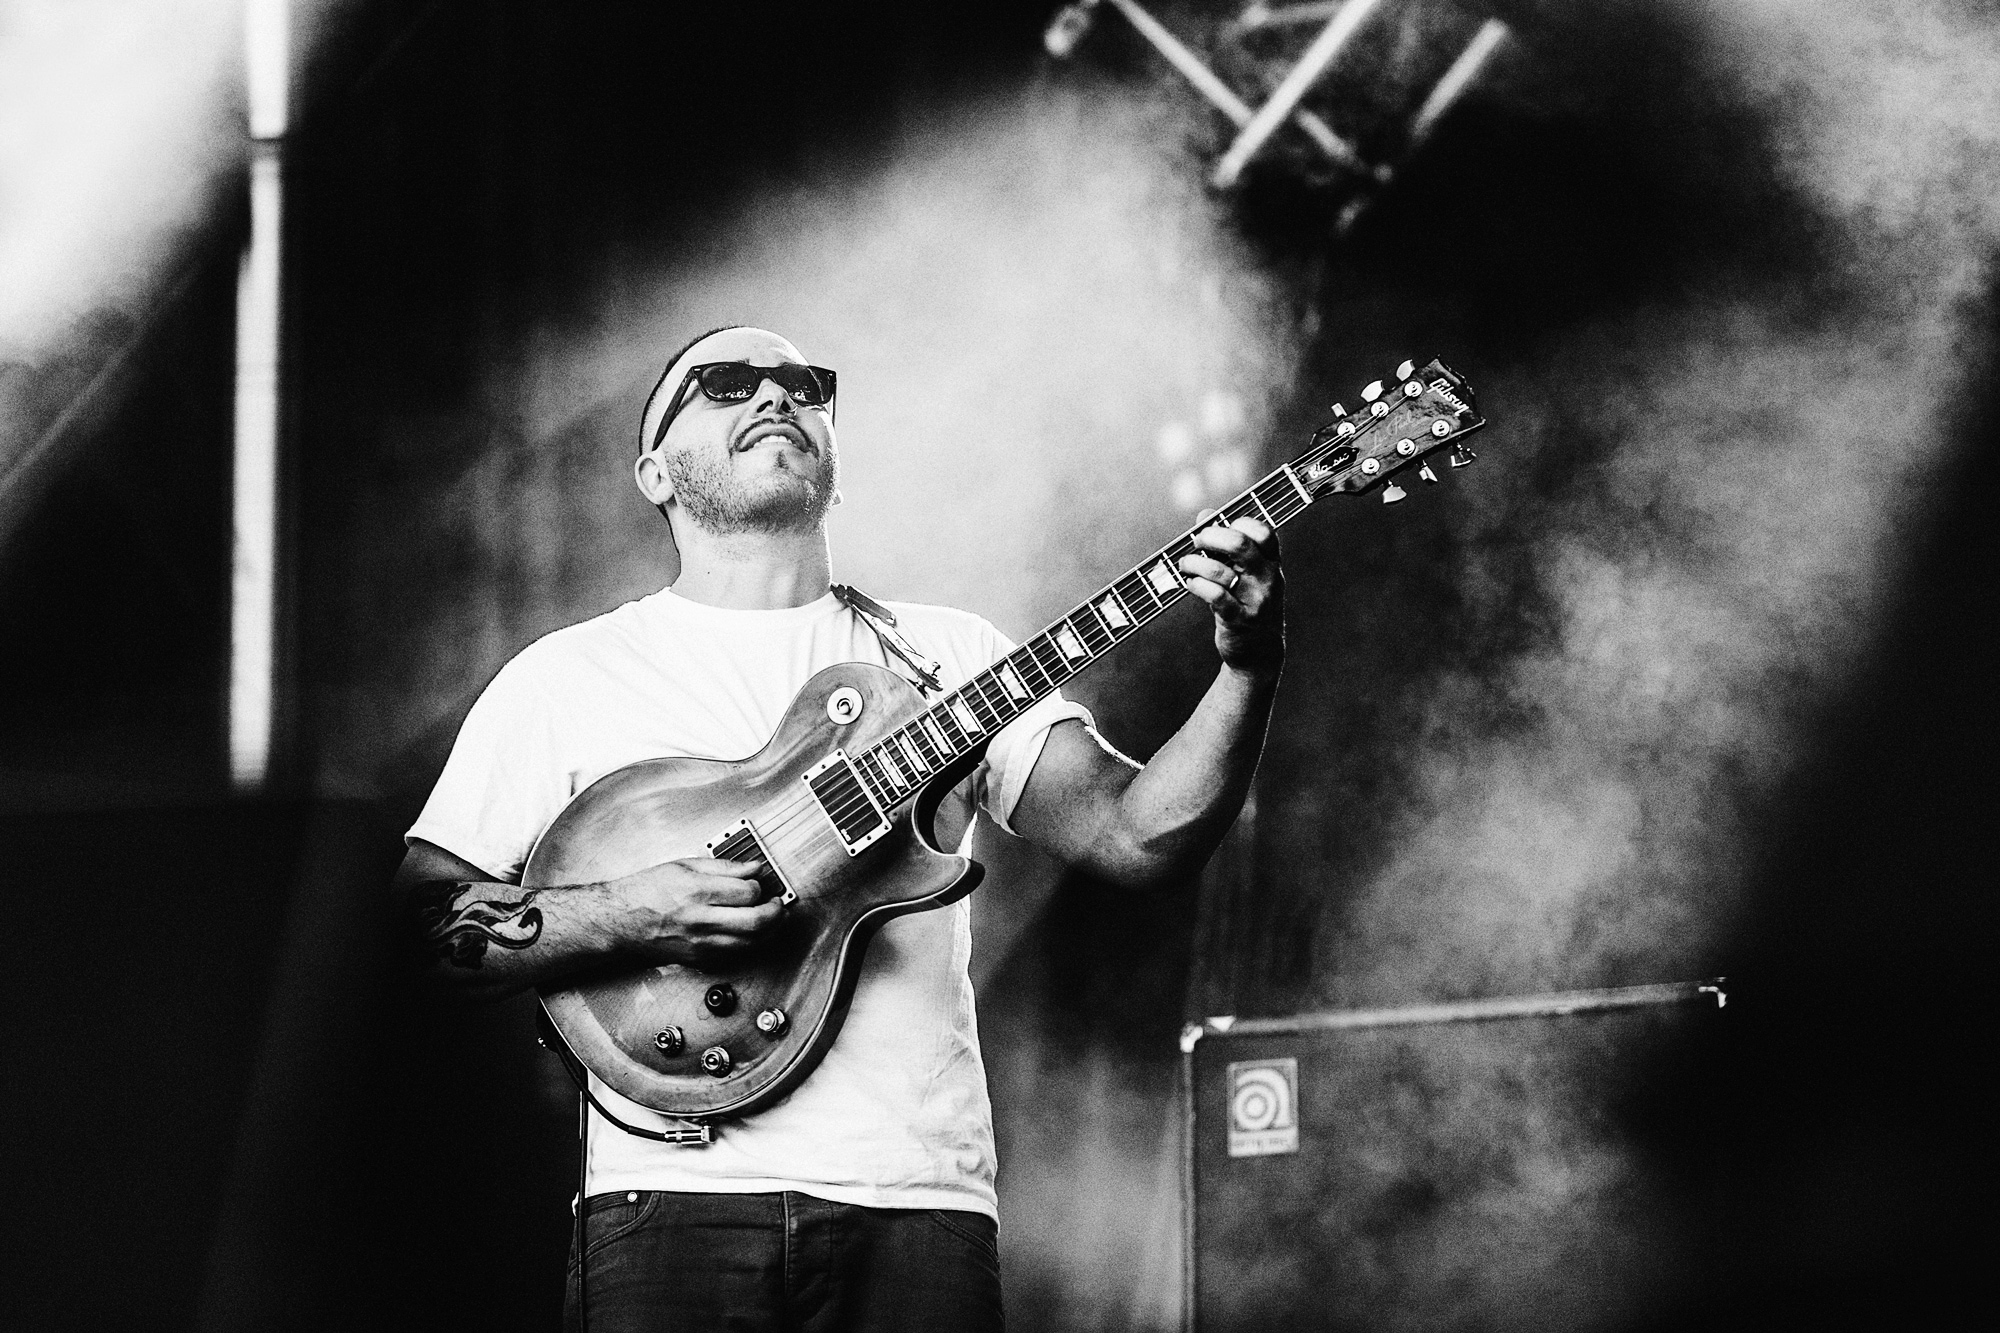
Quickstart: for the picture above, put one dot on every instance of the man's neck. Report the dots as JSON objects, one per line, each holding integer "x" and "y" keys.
{"x": 753, "y": 571}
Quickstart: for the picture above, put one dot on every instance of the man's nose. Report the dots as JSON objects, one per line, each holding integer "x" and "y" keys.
{"x": 771, "y": 397}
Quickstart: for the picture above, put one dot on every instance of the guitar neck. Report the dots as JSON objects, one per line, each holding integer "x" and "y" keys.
{"x": 1428, "y": 410}
{"x": 903, "y": 762}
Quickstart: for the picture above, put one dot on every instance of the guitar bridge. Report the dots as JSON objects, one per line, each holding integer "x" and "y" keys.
{"x": 740, "y": 844}
{"x": 846, "y": 803}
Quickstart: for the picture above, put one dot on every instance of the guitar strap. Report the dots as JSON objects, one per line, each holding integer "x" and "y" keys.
{"x": 883, "y": 621}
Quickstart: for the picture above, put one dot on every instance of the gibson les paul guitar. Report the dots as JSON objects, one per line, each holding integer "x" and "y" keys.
{"x": 839, "y": 805}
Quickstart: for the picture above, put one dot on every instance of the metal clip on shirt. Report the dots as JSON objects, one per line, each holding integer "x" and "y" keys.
{"x": 883, "y": 621}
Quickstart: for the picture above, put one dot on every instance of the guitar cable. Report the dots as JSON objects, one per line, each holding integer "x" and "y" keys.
{"x": 551, "y": 1040}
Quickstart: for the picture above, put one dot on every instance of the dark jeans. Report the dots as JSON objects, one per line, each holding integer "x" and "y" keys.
{"x": 658, "y": 1262}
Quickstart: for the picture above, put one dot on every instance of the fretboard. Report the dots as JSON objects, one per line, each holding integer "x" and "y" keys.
{"x": 903, "y": 762}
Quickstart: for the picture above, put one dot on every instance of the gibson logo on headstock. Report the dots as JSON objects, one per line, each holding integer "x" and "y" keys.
{"x": 1443, "y": 390}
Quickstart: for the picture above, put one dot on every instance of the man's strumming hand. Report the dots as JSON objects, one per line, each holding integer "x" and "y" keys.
{"x": 693, "y": 910}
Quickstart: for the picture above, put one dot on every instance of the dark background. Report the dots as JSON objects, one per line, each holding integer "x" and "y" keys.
{"x": 228, "y": 1104}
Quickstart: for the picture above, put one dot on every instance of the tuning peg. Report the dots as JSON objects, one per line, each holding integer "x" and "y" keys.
{"x": 1426, "y": 473}
{"x": 1405, "y": 370}
{"x": 1339, "y": 411}
{"x": 1372, "y": 392}
{"x": 1462, "y": 456}
{"x": 1392, "y": 493}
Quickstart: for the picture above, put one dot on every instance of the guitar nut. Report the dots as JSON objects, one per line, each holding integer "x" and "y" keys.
{"x": 670, "y": 1040}
{"x": 772, "y": 1023}
{"x": 716, "y": 1061}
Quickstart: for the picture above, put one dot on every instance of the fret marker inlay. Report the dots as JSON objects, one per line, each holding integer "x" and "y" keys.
{"x": 1114, "y": 614}
{"x": 1067, "y": 641}
{"x": 1012, "y": 681}
{"x": 1163, "y": 579}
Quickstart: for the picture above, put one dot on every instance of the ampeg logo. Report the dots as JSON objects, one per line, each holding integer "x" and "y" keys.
{"x": 1263, "y": 1107}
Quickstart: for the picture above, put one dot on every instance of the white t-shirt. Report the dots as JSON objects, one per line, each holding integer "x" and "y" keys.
{"x": 896, "y": 1115}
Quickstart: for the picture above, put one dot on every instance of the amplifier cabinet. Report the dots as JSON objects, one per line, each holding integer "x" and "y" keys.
{"x": 1455, "y": 1166}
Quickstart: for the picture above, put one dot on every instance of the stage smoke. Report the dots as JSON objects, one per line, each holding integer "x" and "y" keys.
{"x": 1689, "y": 550}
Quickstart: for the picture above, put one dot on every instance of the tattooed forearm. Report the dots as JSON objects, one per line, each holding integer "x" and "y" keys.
{"x": 458, "y": 932}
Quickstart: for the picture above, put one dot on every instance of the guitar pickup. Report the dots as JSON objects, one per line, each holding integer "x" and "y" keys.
{"x": 740, "y": 844}
{"x": 846, "y": 803}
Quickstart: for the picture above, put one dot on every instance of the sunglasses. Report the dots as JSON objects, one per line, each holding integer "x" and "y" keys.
{"x": 734, "y": 381}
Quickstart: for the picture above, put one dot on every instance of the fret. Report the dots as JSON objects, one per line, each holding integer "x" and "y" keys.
{"x": 1232, "y": 509}
{"x": 872, "y": 781}
{"x": 1092, "y": 628}
{"x": 893, "y": 762}
{"x": 1004, "y": 702}
{"x": 932, "y": 728}
{"x": 1096, "y": 638}
{"x": 1262, "y": 512}
{"x": 1289, "y": 496}
{"x": 887, "y": 774}
{"x": 927, "y": 754}
{"x": 1163, "y": 578}
{"x": 1072, "y": 647}
{"x": 982, "y": 703}
{"x": 916, "y": 761}
{"x": 939, "y": 717}
{"x": 961, "y": 713}
{"x": 1132, "y": 588}
{"x": 1305, "y": 496}
{"x": 1112, "y": 611}
{"x": 1008, "y": 677}
{"x": 1024, "y": 662}
{"x": 1049, "y": 659}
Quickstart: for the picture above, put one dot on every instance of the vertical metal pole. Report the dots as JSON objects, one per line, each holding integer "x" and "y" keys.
{"x": 254, "y": 472}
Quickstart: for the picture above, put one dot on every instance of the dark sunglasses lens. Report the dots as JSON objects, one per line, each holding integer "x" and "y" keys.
{"x": 730, "y": 381}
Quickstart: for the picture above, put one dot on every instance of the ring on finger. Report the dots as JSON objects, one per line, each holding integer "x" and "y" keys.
{"x": 1235, "y": 577}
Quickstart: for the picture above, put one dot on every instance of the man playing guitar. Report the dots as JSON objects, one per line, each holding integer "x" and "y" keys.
{"x": 863, "y": 1199}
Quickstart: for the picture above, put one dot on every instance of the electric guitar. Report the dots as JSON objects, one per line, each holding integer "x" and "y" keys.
{"x": 840, "y": 804}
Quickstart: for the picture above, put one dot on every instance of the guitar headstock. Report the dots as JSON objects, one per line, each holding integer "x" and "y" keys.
{"x": 1398, "y": 427}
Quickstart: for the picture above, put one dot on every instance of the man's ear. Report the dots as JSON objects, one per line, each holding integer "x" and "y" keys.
{"x": 651, "y": 475}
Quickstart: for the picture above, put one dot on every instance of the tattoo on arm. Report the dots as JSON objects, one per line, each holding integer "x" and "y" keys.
{"x": 459, "y": 932}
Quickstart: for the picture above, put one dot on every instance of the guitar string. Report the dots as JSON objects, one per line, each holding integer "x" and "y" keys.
{"x": 780, "y": 829}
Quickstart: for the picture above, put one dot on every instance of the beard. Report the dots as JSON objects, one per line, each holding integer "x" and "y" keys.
{"x": 787, "y": 498}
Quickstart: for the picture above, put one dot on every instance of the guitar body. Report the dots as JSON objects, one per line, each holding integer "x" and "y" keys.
{"x": 805, "y": 967}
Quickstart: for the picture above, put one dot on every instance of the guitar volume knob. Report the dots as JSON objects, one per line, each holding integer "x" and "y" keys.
{"x": 670, "y": 1040}
{"x": 772, "y": 1023}
{"x": 716, "y": 1061}
{"x": 721, "y": 999}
